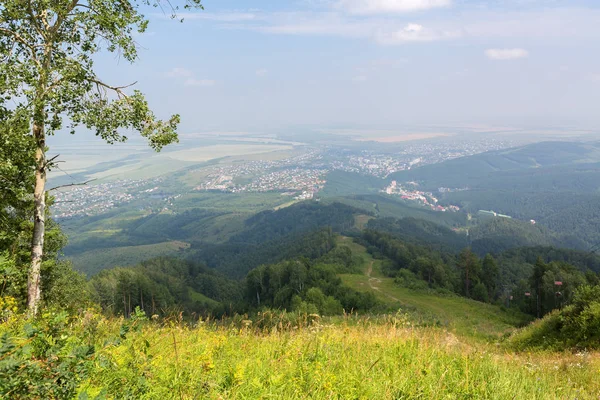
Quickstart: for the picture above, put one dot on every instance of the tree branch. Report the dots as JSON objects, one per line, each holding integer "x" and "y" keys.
{"x": 34, "y": 20}
{"x": 71, "y": 184}
{"x": 61, "y": 17}
{"x": 116, "y": 89}
{"x": 48, "y": 162}
{"x": 21, "y": 40}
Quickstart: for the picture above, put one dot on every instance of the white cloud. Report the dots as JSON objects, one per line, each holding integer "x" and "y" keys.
{"x": 414, "y": 33}
{"x": 506, "y": 54}
{"x": 179, "y": 72}
{"x": 199, "y": 82}
{"x": 262, "y": 72}
{"x": 390, "y": 6}
{"x": 542, "y": 25}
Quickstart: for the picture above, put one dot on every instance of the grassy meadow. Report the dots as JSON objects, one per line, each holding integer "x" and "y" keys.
{"x": 282, "y": 357}
{"x": 470, "y": 318}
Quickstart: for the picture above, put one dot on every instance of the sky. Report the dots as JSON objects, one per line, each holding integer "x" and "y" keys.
{"x": 243, "y": 65}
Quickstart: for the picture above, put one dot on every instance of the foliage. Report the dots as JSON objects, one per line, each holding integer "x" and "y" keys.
{"x": 304, "y": 286}
{"x": 419, "y": 231}
{"x": 43, "y": 359}
{"x": 61, "y": 285}
{"x": 343, "y": 183}
{"x": 236, "y": 259}
{"x": 500, "y": 234}
{"x": 385, "y": 206}
{"x": 303, "y": 217}
{"x": 163, "y": 285}
{"x": 492, "y": 279}
{"x": 16, "y": 177}
{"x": 48, "y": 69}
{"x": 553, "y": 183}
{"x": 438, "y": 269}
{"x": 47, "y": 77}
{"x": 575, "y": 326}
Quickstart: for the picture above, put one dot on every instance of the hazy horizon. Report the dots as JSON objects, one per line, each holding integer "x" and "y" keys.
{"x": 364, "y": 63}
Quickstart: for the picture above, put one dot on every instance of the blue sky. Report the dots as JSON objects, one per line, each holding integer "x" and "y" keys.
{"x": 244, "y": 65}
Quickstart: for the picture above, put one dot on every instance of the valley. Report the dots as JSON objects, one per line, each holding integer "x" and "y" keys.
{"x": 229, "y": 190}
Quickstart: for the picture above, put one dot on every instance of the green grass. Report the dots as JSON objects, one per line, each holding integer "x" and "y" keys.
{"x": 344, "y": 362}
{"x": 462, "y": 316}
{"x": 337, "y": 358}
{"x": 200, "y": 298}
{"x": 272, "y": 355}
{"x": 361, "y": 221}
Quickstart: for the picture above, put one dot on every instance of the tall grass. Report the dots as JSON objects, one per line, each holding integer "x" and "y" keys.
{"x": 345, "y": 358}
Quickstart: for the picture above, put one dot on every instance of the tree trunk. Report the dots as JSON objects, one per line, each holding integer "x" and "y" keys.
{"x": 34, "y": 291}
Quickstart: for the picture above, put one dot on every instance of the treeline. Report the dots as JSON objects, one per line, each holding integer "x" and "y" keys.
{"x": 509, "y": 278}
{"x": 419, "y": 231}
{"x": 575, "y": 326}
{"x": 165, "y": 285}
{"x": 184, "y": 226}
{"x": 237, "y": 259}
{"x": 488, "y": 236}
{"x": 307, "y": 287}
{"x": 571, "y": 218}
{"x": 500, "y": 234}
{"x": 419, "y": 267}
{"x": 303, "y": 217}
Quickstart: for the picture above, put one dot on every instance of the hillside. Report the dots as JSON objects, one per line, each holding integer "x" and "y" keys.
{"x": 554, "y": 183}
{"x": 461, "y": 316}
{"x": 499, "y": 167}
{"x": 429, "y": 344}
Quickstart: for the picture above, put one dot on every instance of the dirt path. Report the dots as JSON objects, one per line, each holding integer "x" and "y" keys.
{"x": 373, "y": 281}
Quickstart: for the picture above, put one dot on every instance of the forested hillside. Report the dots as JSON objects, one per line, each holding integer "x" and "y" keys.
{"x": 553, "y": 183}
{"x": 515, "y": 168}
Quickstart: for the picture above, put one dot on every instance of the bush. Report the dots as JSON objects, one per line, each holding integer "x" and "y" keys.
{"x": 576, "y": 326}
{"x": 407, "y": 279}
{"x": 42, "y": 361}
{"x": 480, "y": 292}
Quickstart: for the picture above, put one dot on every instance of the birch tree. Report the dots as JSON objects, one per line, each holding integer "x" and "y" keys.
{"x": 47, "y": 72}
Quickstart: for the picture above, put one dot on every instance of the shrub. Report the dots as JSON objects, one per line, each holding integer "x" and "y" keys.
{"x": 575, "y": 326}
{"x": 408, "y": 279}
{"x": 44, "y": 361}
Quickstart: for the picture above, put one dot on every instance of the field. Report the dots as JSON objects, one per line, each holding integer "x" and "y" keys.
{"x": 134, "y": 161}
{"x": 349, "y": 357}
{"x": 205, "y": 153}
